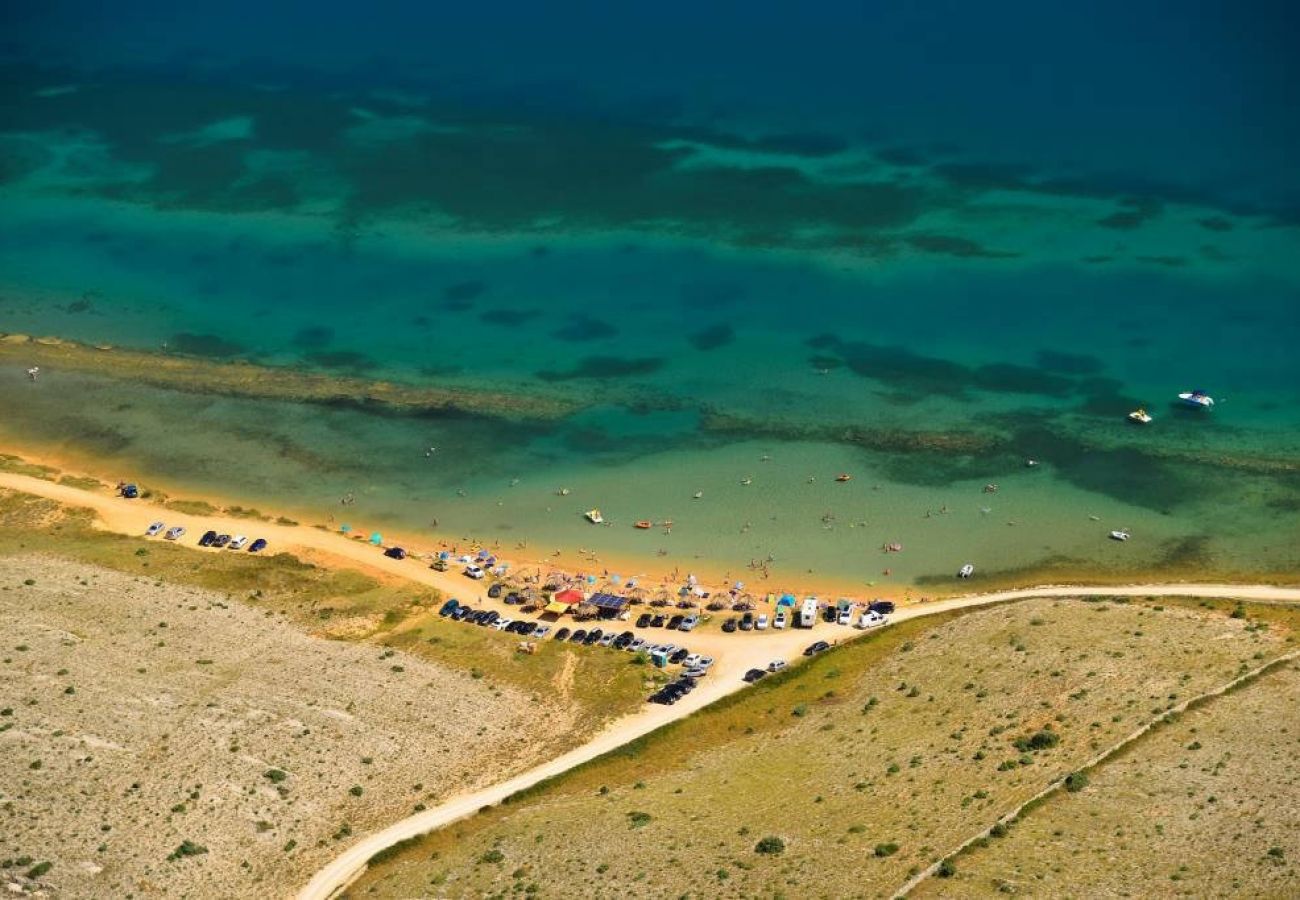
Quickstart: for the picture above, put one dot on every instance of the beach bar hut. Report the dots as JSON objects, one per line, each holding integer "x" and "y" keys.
{"x": 555, "y": 608}
{"x": 610, "y": 605}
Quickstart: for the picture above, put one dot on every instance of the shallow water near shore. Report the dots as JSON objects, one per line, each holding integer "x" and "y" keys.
{"x": 718, "y": 302}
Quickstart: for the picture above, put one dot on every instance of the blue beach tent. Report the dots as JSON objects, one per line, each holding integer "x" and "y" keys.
{"x": 376, "y": 538}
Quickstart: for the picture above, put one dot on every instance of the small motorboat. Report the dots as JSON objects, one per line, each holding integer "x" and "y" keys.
{"x": 990, "y": 488}
{"x": 1030, "y": 463}
{"x": 594, "y": 517}
{"x": 1120, "y": 535}
{"x": 966, "y": 571}
{"x": 1140, "y": 416}
{"x": 747, "y": 480}
{"x": 643, "y": 524}
{"x": 1197, "y": 398}
{"x": 697, "y": 495}
{"x": 843, "y": 477}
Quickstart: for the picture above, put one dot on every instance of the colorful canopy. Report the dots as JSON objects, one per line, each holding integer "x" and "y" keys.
{"x": 568, "y": 597}
{"x": 557, "y": 608}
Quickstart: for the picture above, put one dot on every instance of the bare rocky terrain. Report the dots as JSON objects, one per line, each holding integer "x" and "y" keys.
{"x": 169, "y": 741}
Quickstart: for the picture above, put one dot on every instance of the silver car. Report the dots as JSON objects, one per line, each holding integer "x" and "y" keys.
{"x": 174, "y": 534}
{"x": 155, "y": 529}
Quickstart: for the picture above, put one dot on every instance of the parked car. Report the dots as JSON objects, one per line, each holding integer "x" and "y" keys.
{"x": 130, "y": 491}
{"x": 730, "y": 625}
{"x": 475, "y": 572}
{"x": 678, "y": 656}
{"x": 607, "y": 640}
{"x": 257, "y": 546}
{"x": 776, "y": 665}
{"x": 657, "y": 622}
{"x": 669, "y": 649}
{"x": 692, "y": 661}
{"x": 780, "y": 620}
{"x": 395, "y": 553}
{"x": 706, "y": 662}
{"x": 829, "y": 614}
{"x": 871, "y": 619}
{"x": 884, "y": 607}
{"x": 495, "y": 591}
{"x": 207, "y": 539}
{"x": 578, "y": 637}
{"x": 439, "y": 565}
{"x": 636, "y": 646}
{"x": 541, "y": 631}
{"x": 238, "y": 542}
{"x": 845, "y": 616}
{"x": 754, "y": 674}
{"x": 675, "y": 622}
{"x": 512, "y": 598}
{"x": 685, "y": 685}
{"x": 592, "y": 636}
{"x": 460, "y": 613}
{"x": 689, "y": 623}
{"x": 814, "y": 649}
{"x": 448, "y": 608}
{"x": 761, "y": 622}
{"x": 643, "y": 620}
{"x": 491, "y": 616}
{"x": 624, "y": 640}
{"x": 747, "y": 622}
{"x": 562, "y": 634}
{"x": 696, "y": 673}
{"x": 221, "y": 540}
{"x": 503, "y": 624}
{"x": 666, "y": 698}
{"x": 174, "y": 534}
{"x": 155, "y": 529}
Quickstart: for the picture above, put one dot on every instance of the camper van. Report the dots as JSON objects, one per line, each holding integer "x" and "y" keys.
{"x": 808, "y": 613}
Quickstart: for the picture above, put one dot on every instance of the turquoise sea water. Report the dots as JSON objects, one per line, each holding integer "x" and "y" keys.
{"x": 742, "y": 294}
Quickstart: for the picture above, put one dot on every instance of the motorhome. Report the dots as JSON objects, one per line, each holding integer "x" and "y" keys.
{"x": 808, "y": 613}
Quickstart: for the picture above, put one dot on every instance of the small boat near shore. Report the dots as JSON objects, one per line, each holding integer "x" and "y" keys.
{"x": 1197, "y": 398}
{"x": 843, "y": 476}
{"x": 966, "y": 571}
{"x": 1121, "y": 534}
{"x": 1140, "y": 416}
{"x": 643, "y": 524}
{"x": 594, "y": 517}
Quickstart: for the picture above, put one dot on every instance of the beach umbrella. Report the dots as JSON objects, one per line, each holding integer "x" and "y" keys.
{"x": 376, "y": 538}
{"x": 345, "y": 528}
{"x": 615, "y": 579}
{"x": 591, "y": 579}
{"x": 483, "y": 554}
{"x": 786, "y": 600}
{"x": 444, "y": 555}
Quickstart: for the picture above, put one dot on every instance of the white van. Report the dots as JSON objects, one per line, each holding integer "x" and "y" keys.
{"x": 808, "y": 613}
{"x": 871, "y": 619}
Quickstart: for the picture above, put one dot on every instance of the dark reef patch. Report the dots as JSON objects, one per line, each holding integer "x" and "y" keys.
{"x": 900, "y": 156}
{"x": 313, "y": 336}
{"x": 1173, "y": 262}
{"x": 950, "y": 245}
{"x": 464, "y": 290}
{"x": 209, "y": 345}
{"x": 1133, "y": 212}
{"x": 1068, "y": 363}
{"x": 713, "y": 337}
{"x": 581, "y": 327}
{"x": 605, "y": 367}
{"x": 1215, "y": 223}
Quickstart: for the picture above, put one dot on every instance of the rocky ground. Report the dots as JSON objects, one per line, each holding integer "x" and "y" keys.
{"x": 169, "y": 741}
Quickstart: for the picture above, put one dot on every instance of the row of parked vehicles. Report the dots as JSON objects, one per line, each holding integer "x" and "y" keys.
{"x": 209, "y": 539}
{"x": 696, "y": 665}
{"x": 671, "y": 622}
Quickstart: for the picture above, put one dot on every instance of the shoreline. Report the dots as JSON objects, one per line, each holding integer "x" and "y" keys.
{"x": 576, "y": 561}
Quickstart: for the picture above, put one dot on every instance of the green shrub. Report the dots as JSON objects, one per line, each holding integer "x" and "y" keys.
{"x": 946, "y": 869}
{"x": 639, "y": 819}
{"x": 275, "y": 776}
{"x": 492, "y": 856}
{"x": 39, "y": 869}
{"x": 883, "y": 850}
{"x": 1076, "y": 781}
{"x": 186, "y": 848}
{"x": 770, "y": 846}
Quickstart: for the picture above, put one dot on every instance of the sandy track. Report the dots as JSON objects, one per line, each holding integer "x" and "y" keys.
{"x": 734, "y": 653}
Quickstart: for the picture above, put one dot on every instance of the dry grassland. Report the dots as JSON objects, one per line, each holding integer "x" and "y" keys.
{"x": 867, "y": 764}
{"x": 1206, "y": 806}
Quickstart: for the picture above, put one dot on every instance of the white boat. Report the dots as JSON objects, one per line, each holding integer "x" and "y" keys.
{"x": 1197, "y": 398}
{"x": 966, "y": 571}
{"x": 1140, "y": 416}
{"x": 1120, "y": 535}
{"x": 594, "y": 517}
